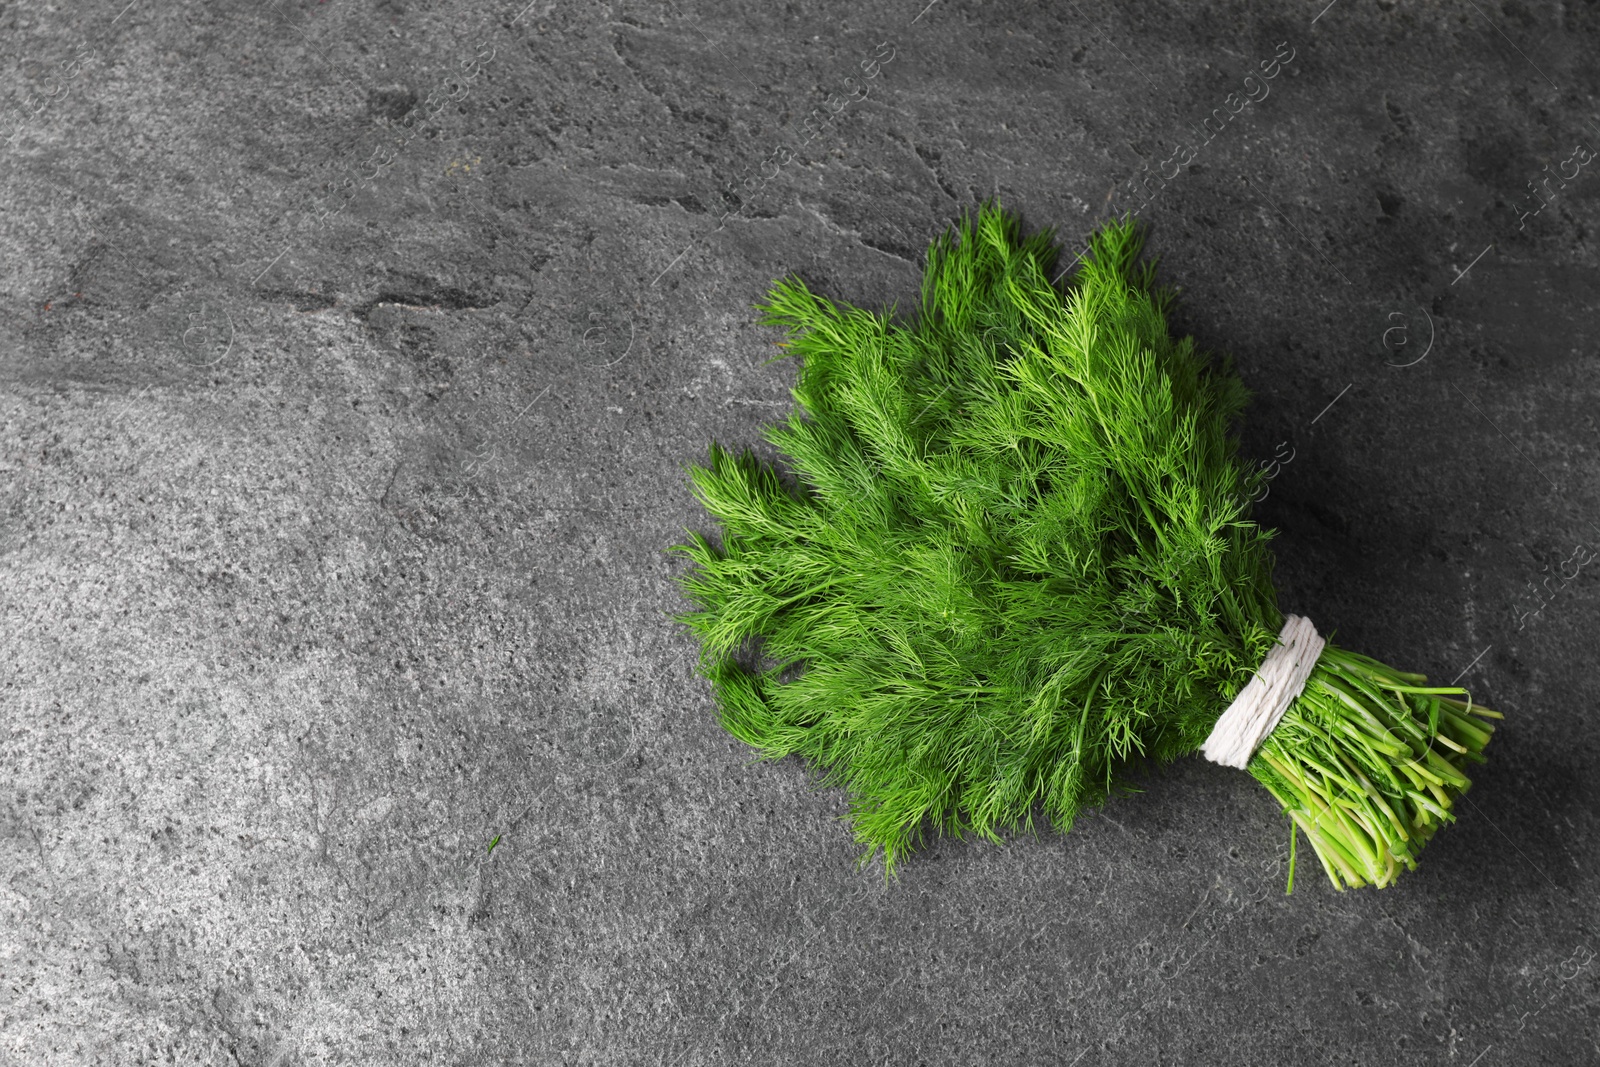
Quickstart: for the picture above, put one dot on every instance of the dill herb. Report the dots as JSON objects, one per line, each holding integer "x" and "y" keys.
{"x": 1011, "y": 559}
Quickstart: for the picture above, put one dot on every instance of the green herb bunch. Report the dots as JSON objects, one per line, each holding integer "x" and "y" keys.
{"x": 1011, "y": 559}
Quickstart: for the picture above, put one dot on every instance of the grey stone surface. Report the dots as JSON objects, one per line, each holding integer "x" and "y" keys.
{"x": 352, "y": 355}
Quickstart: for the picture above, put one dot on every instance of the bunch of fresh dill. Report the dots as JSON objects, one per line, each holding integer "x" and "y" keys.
{"x": 1014, "y": 559}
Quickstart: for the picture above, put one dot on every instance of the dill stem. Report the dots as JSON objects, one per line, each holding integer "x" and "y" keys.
{"x": 1370, "y": 763}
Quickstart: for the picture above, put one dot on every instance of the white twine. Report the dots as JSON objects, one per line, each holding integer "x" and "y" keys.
{"x": 1262, "y": 702}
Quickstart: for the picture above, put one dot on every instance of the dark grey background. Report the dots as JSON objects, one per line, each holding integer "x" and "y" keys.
{"x": 352, "y": 356}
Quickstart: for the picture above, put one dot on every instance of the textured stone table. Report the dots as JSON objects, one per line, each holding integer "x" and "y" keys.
{"x": 351, "y": 356}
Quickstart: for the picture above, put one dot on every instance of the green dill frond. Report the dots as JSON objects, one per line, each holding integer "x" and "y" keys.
{"x": 1018, "y": 559}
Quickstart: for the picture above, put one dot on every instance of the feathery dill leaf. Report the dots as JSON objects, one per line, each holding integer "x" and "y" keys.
{"x": 1018, "y": 557}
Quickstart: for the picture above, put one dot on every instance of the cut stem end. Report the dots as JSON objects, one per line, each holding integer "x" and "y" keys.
{"x": 1368, "y": 764}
